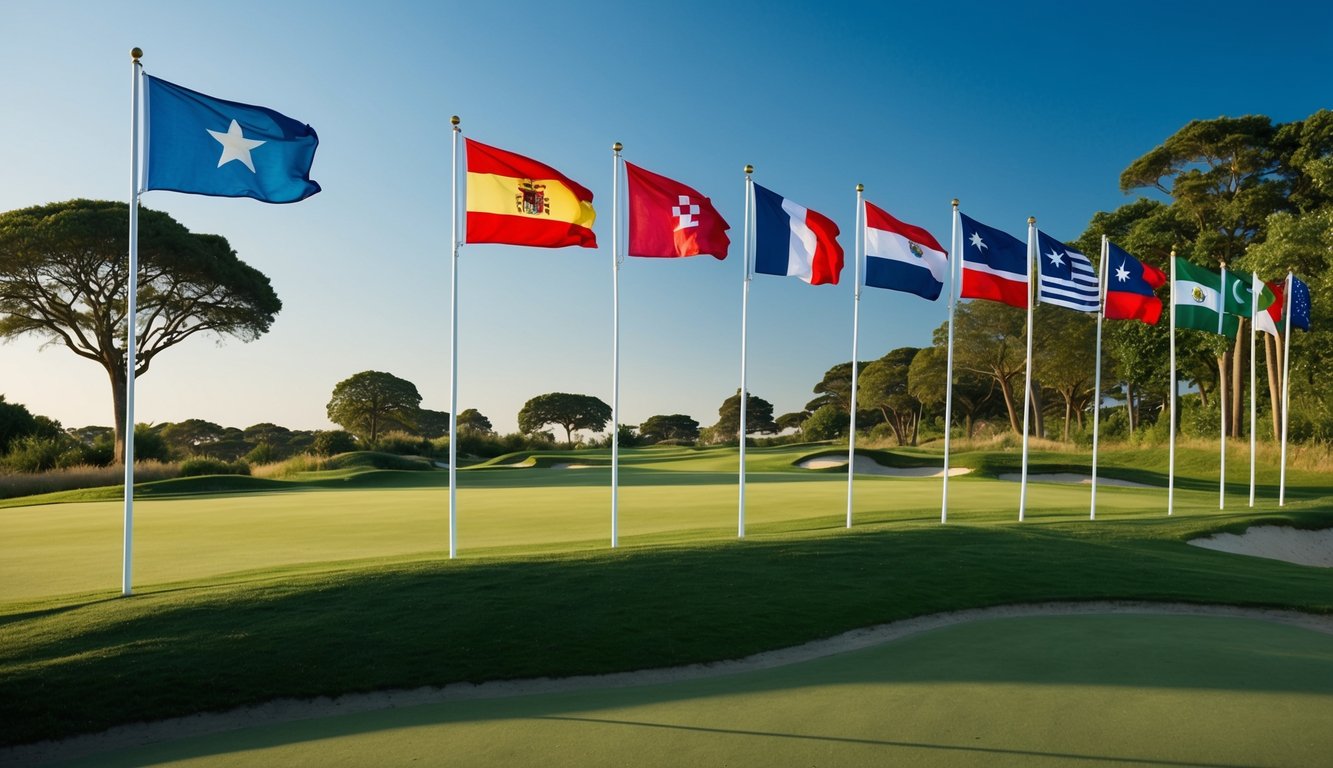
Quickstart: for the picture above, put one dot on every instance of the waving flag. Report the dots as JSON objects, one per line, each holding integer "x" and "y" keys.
{"x": 902, "y": 257}
{"x": 516, "y": 200}
{"x": 995, "y": 265}
{"x": 1270, "y": 315}
{"x": 1067, "y": 277}
{"x": 668, "y": 219}
{"x": 1236, "y": 296}
{"x": 206, "y": 146}
{"x": 1300, "y": 304}
{"x": 1131, "y": 286}
{"x": 791, "y": 239}
{"x": 1198, "y": 299}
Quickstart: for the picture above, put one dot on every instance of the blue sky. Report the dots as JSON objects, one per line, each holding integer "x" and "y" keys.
{"x": 1017, "y": 110}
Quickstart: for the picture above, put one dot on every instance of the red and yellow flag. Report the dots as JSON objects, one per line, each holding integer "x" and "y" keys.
{"x": 516, "y": 200}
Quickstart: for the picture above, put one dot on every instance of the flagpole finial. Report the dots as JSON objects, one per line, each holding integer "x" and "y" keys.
{"x": 955, "y": 202}
{"x": 454, "y": 121}
{"x": 1032, "y": 220}
{"x": 860, "y": 187}
{"x": 136, "y": 53}
{"x": 749, "y": 169}
{"x": 1173, "y": 251}
{"x": 617, "y": 147}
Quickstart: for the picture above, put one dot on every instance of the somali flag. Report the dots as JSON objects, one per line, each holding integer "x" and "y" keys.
{"x": 205, "y": 146}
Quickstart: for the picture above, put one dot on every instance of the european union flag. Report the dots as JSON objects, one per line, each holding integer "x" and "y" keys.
{"x": 1300, "y": 304}
{"x": 207, "y": 146}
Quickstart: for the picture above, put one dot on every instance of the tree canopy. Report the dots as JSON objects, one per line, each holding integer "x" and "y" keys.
{"x": 471, "y": 420}
{"x": 370, "y": 402}
{"x": 569, "y": 411}
{"x": 63, "y": 279}
{"x": 675, "y": 426}
{"x": 758, "y": 417}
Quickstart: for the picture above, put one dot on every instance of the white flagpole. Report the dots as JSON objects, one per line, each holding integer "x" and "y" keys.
{"x": 1286, "y": 397}
{"x": 745, "y": 313}
{"x": 1097, "y": 373}
{"x": 453, "y": 347}
{"x": 1027, "y": 376}
{"x": 955, "y": 257}
{"x": 1171, "y": 460}
{"x": 615, "y": 344}
{"x": 131, "y": 328}
{"x": 1254, "y": 312}
{"x": 858, "y": 250}
{"x": 1226, "y": 374}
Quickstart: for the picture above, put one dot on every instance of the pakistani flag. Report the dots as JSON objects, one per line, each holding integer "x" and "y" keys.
{"x": 1198, "y": 300}
{"x": 1239, "y": 294}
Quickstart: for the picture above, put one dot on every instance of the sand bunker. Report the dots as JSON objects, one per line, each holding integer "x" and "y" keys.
{"x": 1070, "y": 477}
{"x": 867, "y": 466}
{"x": 1291, "y": 545}
{"x": 572, "y": 466}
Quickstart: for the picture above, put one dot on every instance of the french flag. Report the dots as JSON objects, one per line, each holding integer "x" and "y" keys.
{"x": 995, "y": 265}
{"x": 791, "y": 239}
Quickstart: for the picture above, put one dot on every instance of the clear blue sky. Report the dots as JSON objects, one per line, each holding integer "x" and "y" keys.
{"x": 1015, "y": 109}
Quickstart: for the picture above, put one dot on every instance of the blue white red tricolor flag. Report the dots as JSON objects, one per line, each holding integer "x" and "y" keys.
{"x": 1067, "y": 277}
{"x": 791, "y": 239}
{"x": 995, "y": 265}
{"x": 1131, "y": 286}
{"x": 903, "y": 257}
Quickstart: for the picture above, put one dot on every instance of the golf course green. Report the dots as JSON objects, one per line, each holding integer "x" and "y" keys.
{"x": 249, "y": 591}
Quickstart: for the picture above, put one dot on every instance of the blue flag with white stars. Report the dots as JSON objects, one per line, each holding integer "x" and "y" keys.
{"x": 205, "y": 146}
{"x": 1300, "y": 304}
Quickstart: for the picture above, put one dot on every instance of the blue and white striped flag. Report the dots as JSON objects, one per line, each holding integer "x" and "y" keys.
{"x": 1067, "y": 277}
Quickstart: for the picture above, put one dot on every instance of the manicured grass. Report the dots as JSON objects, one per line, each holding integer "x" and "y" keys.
{"x": 341, "y": 585}
{"x": 1074, "y": 690}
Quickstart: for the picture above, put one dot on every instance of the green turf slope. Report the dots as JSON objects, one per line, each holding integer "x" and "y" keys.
{"x": 1060, "y": 691}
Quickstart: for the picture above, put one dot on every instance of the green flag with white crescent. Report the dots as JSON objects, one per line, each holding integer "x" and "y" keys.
{"x": 1199, "y": 301}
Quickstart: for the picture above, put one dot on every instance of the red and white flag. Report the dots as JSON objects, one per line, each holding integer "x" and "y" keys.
{"x": 668, "y": 219}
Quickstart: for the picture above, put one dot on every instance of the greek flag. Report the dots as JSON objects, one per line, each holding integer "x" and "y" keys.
{"x": 1067, "y": 277}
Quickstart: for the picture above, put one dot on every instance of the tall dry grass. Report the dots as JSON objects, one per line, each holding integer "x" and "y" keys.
{"x": 290, "y": 467}
{"x": 15, "y": 484}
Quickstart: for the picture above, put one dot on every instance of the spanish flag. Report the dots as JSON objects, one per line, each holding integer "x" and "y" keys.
{"x": 516, "y": 200}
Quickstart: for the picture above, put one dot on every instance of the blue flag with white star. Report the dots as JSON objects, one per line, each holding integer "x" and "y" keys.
{"x": 205, "y": 146}
{"x": 1300, "y": 304}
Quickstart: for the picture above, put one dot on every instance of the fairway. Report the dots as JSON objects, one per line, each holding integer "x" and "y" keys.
{"x": 666, "y": 496}
{"x": 1122, "y": 690}
{"x": 338, "y": 582}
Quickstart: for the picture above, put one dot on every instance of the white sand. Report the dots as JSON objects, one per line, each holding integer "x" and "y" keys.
{"x": 1276, "y": 542}
{"x": 292, "y": 710}
{"x": 867, "y": 466}
{"x": 1070, "y": 477}
{"x": 572, "y": 466}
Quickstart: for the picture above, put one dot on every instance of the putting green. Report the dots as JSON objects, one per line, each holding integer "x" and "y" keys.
{"x": 1100, "y": 690}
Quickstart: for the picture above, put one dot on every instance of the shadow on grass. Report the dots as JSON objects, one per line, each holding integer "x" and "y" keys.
{"x": 408, "y": 625}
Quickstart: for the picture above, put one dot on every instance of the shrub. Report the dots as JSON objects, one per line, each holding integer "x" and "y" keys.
{"x": 403, "y": 444}
{"x": 261, "y": 454}
{"x": 330, "y": 442}
{"x": 204, "y": 465}
{"x": 32, "y": 453}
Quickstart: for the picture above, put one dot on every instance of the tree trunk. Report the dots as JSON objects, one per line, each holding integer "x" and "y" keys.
{"x": 118, "y": 395}
{"x": 968, "y": 423}
{"x": 1238, "y": 358}
{"x": 1069, "y": 413}
{"x": 916, "y": 425}
{"x": 1273, "y": 361}
{"x": 1007, "y": 392}
{"x": 1130, "y": 411}
{"x": 1038, "y": 419}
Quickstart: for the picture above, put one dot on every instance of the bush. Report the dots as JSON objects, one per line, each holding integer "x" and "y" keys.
{"x": 32, "y": 453}
{"x": 404, "y": 444}
{"x": 333, "y": 441}
{"x": 261, "y": 454}
{"x": 204, "y": 465}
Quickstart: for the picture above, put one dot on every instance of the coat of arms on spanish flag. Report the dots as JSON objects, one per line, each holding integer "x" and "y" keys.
{"x": 516, "y": 200}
